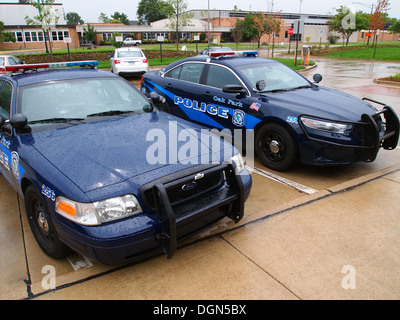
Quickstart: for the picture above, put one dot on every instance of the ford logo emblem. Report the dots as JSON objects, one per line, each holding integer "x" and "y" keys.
{"x": 189, "y": 186}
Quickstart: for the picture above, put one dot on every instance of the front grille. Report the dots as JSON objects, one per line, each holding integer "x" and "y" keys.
{"x": 365, "y": 132}
{"x": 187, "y": 189}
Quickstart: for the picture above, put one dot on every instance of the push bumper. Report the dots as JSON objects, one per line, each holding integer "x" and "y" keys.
{"x": 367, "y": 136}
{"x": 147, "y": 234}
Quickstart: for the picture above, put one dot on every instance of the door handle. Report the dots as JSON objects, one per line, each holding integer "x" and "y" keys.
{"x": 169, "y": 86}
{"x": 207, "y": 94}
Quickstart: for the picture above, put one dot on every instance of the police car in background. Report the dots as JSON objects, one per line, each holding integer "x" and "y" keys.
{"x": 73, "y": 144}
{"x": 291, "y": 118}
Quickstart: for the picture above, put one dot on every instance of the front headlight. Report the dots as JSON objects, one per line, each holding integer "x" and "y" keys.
{"x": 238, "y": 161}
{"x": 100, "y": 211}
{"x": 323, "y": 125}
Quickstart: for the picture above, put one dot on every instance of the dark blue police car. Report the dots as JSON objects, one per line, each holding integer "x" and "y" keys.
{"x": 290, "y": 117}
{"x": 81, "y": 146}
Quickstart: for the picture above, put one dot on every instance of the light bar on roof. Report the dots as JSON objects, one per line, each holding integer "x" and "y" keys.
{"x": 51, "y": 65}
{"x": 217, "y": 54}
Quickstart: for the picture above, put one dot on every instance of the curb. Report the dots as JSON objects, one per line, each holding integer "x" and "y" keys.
{"x": 393, "y": 83}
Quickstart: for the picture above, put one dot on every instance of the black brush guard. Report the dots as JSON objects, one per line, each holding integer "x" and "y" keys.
{"x": 167, "y": 217}
{"x": 373, "y": 137}
{"x": 388, "y": 139}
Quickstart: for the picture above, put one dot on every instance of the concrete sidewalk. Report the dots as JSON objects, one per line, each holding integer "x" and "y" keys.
{"x": 340, "y": 243}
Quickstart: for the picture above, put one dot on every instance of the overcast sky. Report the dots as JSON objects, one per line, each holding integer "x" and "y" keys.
{"x": 89, "y": 10}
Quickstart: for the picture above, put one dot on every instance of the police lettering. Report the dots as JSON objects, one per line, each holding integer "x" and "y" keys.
{"x": 202, "y": 107}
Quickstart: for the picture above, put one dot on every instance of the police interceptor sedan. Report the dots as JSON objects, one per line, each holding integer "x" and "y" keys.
{"x": 290, "y": 117}
{"x": 75, "y": 145}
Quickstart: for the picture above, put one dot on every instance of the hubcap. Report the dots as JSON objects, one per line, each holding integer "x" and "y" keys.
{"x": 274, "y": 146}
{"x": 42, "y": 222}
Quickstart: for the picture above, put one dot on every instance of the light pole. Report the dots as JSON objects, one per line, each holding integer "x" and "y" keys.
{"x": 372, "y": 9}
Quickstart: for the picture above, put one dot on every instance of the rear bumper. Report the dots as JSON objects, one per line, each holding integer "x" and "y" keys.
{"x": 134, "y": 69}
{"x": 149, "y": 233}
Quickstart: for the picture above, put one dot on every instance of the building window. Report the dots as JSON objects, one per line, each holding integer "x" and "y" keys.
{"x": 34, "y": 36}
{"x": 18, "y": 36}
{"x": 27, "y": 36}
{"x": 40, "y": 36}
{"x": 54, "y": 35}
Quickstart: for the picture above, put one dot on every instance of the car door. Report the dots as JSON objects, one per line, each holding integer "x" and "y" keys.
{"x": 180, "y": 86}
{"x": 9, "y": 160}
{"x": 227, "y": 109}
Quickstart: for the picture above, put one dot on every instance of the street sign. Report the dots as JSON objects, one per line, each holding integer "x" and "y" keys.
{"x": 291, "y": 31}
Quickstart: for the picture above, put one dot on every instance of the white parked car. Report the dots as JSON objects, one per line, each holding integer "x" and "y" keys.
{"x": 129, "y": 61}
{"x": 7, "y": 60}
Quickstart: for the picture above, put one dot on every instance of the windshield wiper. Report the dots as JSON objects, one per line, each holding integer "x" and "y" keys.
{"x": 287, "y": 89}
{"x": 110, "y": 113}
{"x": 301, "y": 87}
{"x": 61, "y": 120}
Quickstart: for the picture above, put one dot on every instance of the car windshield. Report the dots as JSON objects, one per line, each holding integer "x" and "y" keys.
{"x": 129, "y": 54}
{"x": 79, "y": 99}
{"x": 277, "y": 77}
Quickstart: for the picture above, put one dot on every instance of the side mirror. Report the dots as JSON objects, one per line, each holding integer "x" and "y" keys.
{"x": 260, "y": 85}
{"x": 317, "y": 78}
{"x": 19, "y": 121}
{"x": 233, "y": 88}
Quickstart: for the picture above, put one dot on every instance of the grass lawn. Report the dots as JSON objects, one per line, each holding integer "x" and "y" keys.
{"x": 387, "y": 54}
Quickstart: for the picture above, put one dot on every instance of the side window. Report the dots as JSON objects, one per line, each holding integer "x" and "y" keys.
{"x": 13, "y": 61}
{"x": 220, "y": 76}
{"x": 5, "y": 100}
{"x": 188, "y": 72}
{"x": 1, "y": 61}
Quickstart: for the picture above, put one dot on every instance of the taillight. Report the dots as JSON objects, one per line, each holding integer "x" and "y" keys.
{"x": 2, "y": 71}
{"x": 141, "y": 81}
{"x": 117, "y": 61}
{"x": 144, "y": 60}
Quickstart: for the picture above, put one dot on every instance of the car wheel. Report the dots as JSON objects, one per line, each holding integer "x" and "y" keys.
{"x": 275, "y": 147}
{"x": 42, "y": 226}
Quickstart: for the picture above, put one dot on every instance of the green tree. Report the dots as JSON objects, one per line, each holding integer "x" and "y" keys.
{"x": 103, "y": 18}
{"x": 122, "y": 17}
{"x": 73, "y": 18}
{"x": 346, "y": 23}
{"x": 255, "y": 25}
{"x": 237, "y": 32}
{"x": 152, "y": 10}
{"x": 178, "y": 17}
{"x": 6, "y": 36}
{"x": 89, "y": 34}
{"x": 395, "y": 27}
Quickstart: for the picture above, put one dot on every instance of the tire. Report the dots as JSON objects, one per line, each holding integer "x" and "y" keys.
{"x": 41, "y": 225}
{"x": 275, "y": 147}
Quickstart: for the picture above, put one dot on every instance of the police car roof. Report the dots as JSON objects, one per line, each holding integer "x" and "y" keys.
{"x": 33, "y": 77}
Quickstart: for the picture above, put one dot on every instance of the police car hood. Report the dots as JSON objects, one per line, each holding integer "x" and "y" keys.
{"x": 322, "y": 102}
{"x": 104, "y": 153}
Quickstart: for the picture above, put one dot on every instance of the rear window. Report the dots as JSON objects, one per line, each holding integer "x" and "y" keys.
{"x": 129, "y": 54}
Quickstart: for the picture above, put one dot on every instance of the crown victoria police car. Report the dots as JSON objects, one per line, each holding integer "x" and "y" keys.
{"x": 290, "y": 117}
{"x": 80, "y": 147}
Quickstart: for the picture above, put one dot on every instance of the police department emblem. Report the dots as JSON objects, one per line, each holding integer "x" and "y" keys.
{"x": 15, "y": 164}
{"x": 238, "y": 118}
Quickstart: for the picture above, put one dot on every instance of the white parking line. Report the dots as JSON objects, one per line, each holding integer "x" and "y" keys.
{"x": 282, "y": 180}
